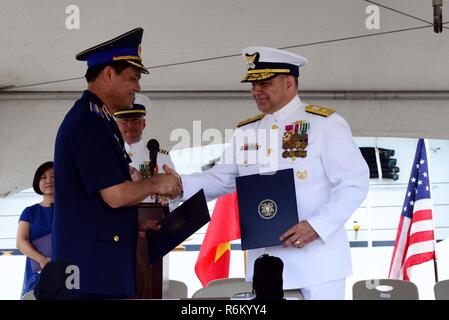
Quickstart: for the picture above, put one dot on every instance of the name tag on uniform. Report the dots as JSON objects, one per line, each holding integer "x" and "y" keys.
{"x": 267, "y": 207}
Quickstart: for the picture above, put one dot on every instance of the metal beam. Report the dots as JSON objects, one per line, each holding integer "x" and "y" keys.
{"x": 241, "y": 95}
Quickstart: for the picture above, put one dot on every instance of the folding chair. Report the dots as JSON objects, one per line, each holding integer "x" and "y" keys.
{"x": 224, "y": 280}
{"x": 224, "y": 290}
{"x": 236, "y": 288}
{"x": 384, "y": 289}
{"x": 177, "y": 290}
{"x": 441, "y": 290}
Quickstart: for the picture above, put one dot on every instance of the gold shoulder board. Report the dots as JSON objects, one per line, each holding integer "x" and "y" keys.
{"x": 250, "y": 120}
{"x": 319, "y": 110}
{"x": 163, "y": 151}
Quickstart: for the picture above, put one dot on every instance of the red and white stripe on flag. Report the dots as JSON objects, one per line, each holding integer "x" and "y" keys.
{"x": 415, "y": 242}
{"x": 415, "y": 239}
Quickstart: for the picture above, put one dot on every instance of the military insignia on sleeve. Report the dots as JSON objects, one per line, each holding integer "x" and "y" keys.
{"x": 95, "y": 109}
{"x": 252, "y": 59}
{"x": 267, "y": 209}
{"x": 295, "y": 140}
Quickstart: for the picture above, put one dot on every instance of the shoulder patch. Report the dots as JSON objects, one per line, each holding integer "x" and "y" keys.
{"x": 163, "y": 151}
{"x": 96, "y": 109}
{"x": 250, "y": 120}
{"x": 319, "y": 110}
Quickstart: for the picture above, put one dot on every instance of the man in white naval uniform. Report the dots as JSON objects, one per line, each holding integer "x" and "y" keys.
{"x": 331, "y": 176}
{"x": 131, "y": 122}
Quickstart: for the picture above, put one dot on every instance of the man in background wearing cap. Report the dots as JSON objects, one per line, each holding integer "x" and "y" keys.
{"x": 96, "y": 191}
{"x": 331, "y": 176}
{"x": 132, "y": 122}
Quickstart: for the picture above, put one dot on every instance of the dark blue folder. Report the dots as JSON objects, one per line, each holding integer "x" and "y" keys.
{"x": 267, "y": 207}
{"x": 43, "y": 245}
{"x": 178, "y": 225}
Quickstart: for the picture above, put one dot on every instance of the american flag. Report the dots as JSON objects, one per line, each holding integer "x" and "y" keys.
{"x": 415, "y": 240}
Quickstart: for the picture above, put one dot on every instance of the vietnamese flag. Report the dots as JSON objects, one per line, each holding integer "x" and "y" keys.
{"x": 215, "y": 253}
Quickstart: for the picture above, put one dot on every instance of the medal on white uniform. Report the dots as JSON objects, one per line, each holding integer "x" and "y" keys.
{"x": 295, "y": 140}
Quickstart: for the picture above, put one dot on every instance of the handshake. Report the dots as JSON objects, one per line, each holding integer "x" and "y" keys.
{"x": 165, "y": 187}
{"x": 169, "y": 186}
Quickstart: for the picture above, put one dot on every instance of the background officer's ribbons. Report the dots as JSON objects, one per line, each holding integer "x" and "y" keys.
{"x": 267, "y": 207}
{"x": 144, "y": 169}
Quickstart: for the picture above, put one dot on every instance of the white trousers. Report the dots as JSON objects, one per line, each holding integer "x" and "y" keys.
{"x": 332, "y": 290}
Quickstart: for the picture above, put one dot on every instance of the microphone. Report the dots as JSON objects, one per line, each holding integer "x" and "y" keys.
{"x": 153, "y": 148}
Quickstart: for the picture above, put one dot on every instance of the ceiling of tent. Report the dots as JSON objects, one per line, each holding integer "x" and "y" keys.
{"x": 195, "y": 45}
{"x": 36, "y": 47}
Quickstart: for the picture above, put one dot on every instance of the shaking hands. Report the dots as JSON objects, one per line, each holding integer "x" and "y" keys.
{"x": 168, "y": 185}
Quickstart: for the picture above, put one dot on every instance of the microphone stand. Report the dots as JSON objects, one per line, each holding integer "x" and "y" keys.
{"x": 153, "y": 148}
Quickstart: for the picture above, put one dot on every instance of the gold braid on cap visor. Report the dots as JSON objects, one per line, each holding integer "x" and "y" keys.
{"x": 126, "y": 58}
{"x": 262, "y": 74}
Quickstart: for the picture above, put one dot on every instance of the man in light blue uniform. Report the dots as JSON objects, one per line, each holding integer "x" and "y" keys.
{"x": 331, "y": 176}
{"x": 96, "y": 191}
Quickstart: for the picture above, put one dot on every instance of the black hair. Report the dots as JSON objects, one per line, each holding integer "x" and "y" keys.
{"x": 39, "y": 172}
{"x": 93, "y": 72}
